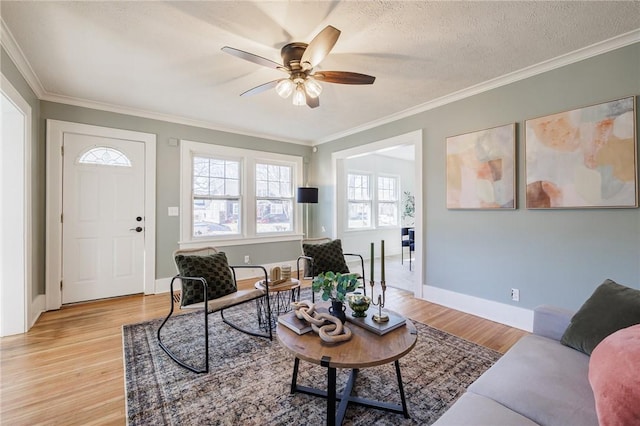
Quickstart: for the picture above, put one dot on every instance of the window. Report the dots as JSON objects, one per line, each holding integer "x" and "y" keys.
{"x": 274, "y": 198}
{"x": 387, "y": 201}
{"x": 104, "y": 156}
{"x": 216, "y": 196}
{"x": 231, "y": 195}
{"x": 358, "y": 201}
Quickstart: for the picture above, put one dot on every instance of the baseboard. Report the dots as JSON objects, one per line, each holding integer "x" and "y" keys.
{"x": 163, "y": 284}
{"x": 512, "y": 316}
{"x": 38, "y": 306}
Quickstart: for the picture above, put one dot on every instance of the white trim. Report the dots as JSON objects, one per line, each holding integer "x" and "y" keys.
{"x": 512, "y": 316}
{"x": 18, "y": 57}
{"x": 531, "y": 71}
{"x": 24, "y": 259}
{"x": 37, "y": 307}
{"x": 412, "y": 138}
{"x": 55, "y": 138}
{"x": 247, "y": 158}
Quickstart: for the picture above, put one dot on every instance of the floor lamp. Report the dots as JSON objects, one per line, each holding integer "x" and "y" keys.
{"x": 307, "y": 196}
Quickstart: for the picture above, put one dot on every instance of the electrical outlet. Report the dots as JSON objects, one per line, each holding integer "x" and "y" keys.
{"x": 515, "y": 294}
{"x": 247, "y": 259}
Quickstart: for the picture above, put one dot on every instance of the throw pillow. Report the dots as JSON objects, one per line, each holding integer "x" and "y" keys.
{"x": 326, "y": 257}
{"x": 610, "y": 308}
{"x": 214, "y": 268}
{"x": 615, "y": 378}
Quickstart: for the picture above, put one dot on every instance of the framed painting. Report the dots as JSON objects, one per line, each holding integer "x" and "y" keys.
{"x": 583, "y": 158}
{"x": 481, "y": 170}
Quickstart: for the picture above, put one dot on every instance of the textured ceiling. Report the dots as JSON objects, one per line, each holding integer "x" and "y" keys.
{"x": 164, "y": 58}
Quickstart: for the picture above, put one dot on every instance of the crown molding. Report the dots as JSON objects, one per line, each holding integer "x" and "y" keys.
{"x": 17, "y": 56}
{"x": 10, "y": 46}
{"x": 542, "y": 67}
{"x": 118, "y": 109}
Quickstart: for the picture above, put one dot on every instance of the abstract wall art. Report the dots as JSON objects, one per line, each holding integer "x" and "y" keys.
{"x": 481, "y": 171}
{"x": 584, "y": 158}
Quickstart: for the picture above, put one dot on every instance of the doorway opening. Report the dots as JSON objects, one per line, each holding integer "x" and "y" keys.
{"x": 15, "y": 213}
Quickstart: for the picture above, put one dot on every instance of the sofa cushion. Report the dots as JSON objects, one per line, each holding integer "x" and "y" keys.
{"x": 543, "y": 380}
{"x": 615, "y": 377}
{"x": 610, "y": 308}
{"x": 476, "y": 410}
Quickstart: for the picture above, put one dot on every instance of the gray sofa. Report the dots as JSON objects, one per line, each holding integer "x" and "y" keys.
{"x": 538, "y": 381}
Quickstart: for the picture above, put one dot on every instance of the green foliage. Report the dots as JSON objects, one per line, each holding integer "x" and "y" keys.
{"x": 334, "y": 286}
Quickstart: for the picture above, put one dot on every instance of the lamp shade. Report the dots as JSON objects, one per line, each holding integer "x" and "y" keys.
{"x": 308, "y": 195}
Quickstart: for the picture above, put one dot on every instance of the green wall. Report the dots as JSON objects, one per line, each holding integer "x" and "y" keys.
{"x": 37, "y": 213}
{"x": 552, "y": 256}
{"x": 168, "y": 176}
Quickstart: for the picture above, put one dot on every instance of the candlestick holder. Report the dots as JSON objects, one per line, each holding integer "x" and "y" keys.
{"x": 379, "y": 317}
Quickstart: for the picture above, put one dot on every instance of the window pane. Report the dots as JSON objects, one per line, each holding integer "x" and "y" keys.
{"x": 359, "y": 215}
{"x": 387, "y": 189}
{"x": 200, "y": 185}
{"x": 215, "y": 217}
{"x": 216, "y": 177}
{"x": 275, "y": 179}
{"x": 358, "y": 187}
{"x": 387, "y": 214}
{"x": 104, "y": 156}
{"x": 274, "y": 216}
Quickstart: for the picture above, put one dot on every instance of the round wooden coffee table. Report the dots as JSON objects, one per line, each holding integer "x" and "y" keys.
{"x": 365, "y": 349}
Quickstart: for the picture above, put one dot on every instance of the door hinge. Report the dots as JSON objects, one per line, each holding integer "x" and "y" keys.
{"x": 61, "y": 149}
{"x": 61, "y": 218}
{"x": 60, "y": 284}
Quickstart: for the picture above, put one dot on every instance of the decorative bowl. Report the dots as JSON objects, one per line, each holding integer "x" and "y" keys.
{"x": 359, "y": 304}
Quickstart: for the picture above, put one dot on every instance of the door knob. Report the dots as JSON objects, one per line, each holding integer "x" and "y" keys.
{"x": 137, "y": 229}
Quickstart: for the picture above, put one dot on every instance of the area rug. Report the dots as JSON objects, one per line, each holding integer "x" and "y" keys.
{"x": 249, "y": 378}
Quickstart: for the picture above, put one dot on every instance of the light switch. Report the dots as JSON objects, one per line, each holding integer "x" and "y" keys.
{"x": 174, "y": 211}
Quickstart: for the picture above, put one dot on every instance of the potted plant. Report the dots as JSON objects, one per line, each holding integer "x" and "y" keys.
{"x": 335, "y": 287}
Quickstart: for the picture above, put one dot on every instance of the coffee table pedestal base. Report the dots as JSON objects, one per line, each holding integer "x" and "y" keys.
{"x": 345, "y": 397}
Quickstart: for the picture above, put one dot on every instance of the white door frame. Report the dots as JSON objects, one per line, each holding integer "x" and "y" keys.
{"x": 55, "y": 137}
{"x": 20, "y": 260}
{"x": 414, "y": 138}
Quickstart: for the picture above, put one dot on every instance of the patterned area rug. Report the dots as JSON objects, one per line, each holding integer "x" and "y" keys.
{"x": 249, "y": 377}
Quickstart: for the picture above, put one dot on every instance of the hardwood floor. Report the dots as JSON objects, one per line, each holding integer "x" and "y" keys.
{"x": 68, "y": 368}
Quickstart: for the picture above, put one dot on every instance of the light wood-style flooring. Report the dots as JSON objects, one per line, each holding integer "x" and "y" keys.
{"x": 68, "y": 369}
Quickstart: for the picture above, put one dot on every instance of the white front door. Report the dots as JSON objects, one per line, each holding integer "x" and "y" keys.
{"x": 103, "y": 224}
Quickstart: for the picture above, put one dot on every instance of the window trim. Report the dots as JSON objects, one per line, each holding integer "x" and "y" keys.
{"x": 371, "y": 201}
{"x": 377, "y": 201}
{"x": 248, "y": 159}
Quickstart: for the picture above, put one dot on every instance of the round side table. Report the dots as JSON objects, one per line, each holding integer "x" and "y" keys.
{"x": 280, "y": 298}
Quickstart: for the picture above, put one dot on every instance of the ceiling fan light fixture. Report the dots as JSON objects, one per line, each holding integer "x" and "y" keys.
{"x": 312, "y": 87}
{"x": 299, "y": 98}
{"x": 284, "y": 88}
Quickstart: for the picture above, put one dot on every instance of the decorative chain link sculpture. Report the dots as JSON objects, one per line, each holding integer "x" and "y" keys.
{"x": 331, "y": 333}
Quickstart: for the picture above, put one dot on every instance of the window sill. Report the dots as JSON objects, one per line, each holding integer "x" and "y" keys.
{"x": 220, "y": 242}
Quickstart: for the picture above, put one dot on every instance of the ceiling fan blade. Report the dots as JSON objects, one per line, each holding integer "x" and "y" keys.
{"x": 254, "y": 58}
{"x": 312, "y": 102}
{"x": 259, "y": 89}
{"x": 344, "y": 77}
{"x": 319, "y": 47}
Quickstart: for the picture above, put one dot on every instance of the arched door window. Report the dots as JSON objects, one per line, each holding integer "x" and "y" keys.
{"x": 104, "y": 156}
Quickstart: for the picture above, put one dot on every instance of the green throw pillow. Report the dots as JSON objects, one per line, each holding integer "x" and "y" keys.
{"x": 610, "y": 308}
{"x": 214, "y": 268}
{"x": 326, "y": 257}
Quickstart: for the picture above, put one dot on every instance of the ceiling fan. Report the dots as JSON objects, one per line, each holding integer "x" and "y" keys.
{"x": 299, "y": 61}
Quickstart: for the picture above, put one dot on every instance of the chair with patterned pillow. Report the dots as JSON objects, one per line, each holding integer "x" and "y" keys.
{"x": 209, "y": 283}
{"x": 323, "y": 255}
